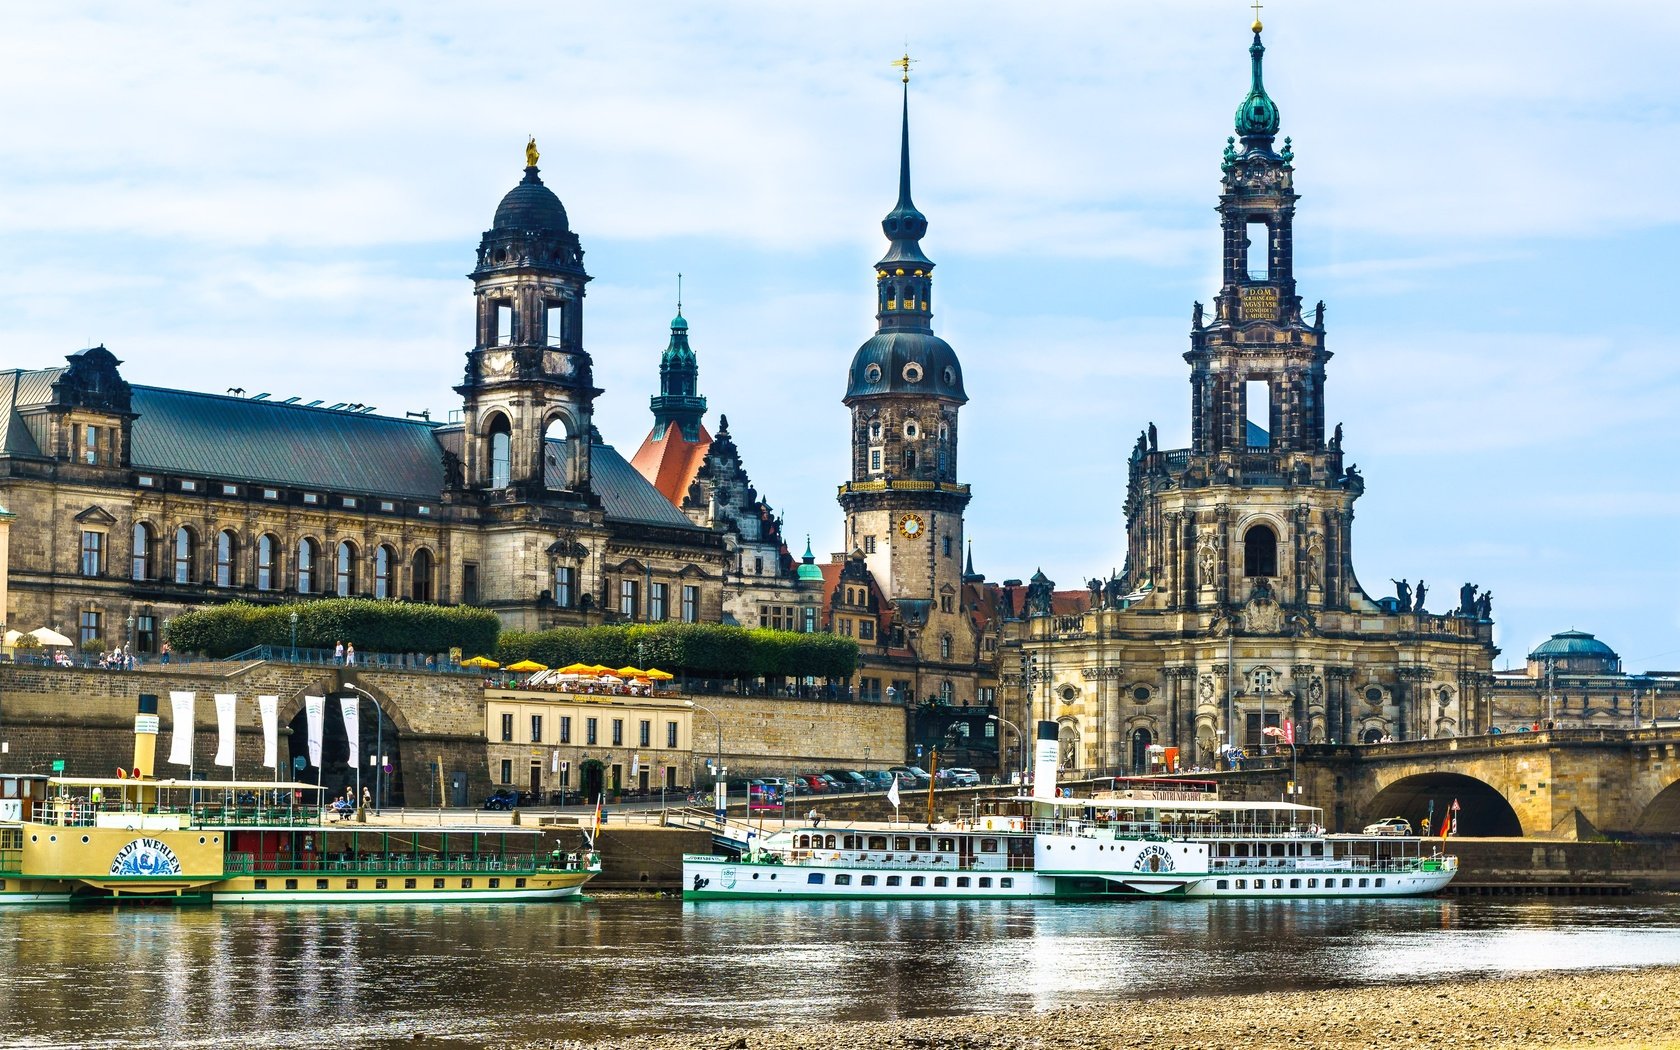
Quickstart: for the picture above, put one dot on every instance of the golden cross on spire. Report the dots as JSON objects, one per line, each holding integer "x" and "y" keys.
{"x": 904, "y": 65}
{"x": 1257, "y": 26}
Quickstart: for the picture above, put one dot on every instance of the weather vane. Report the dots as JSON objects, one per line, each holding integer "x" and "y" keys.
{"x": 679, "y": 293}
{"x": 904, "y": 65}
{"x": 1257, "y": 16}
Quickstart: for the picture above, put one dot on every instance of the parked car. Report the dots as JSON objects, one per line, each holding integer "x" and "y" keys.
{"x": 503, "y": 798}
{"x": 815, "y": 782}
{"x": 918, "y": 777}
{"x": 879, "y": 779}
{"x": 849, "y": 779}
{"x": 1390, "y": 826}
{"x": 963, "y": 776}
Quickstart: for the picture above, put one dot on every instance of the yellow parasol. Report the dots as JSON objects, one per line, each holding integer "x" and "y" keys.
{"x": 630, "y": 672}
{"x": 660, "y": 676}
{"x": 527, "y": 665}
{"x": 577, "y": 669}
{"x": 481, "y": 662}
{"x": 599, "y": 669}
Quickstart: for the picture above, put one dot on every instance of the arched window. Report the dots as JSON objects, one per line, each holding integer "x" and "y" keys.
{"x": 346, "y": 569}
{"x": 1260, "y": 551}
{"x": 501, "y": 453}
{"x": 226, "y": 545}
{"x": 184, "y": 550}
{"x": 307, "y": 549}
{"x": 268, "y": 568}
{"x": 422, "y": 575}
{"x": 944, "y": 647}
{"x": 383, "y": 558}
{"x": 141, "y": 561}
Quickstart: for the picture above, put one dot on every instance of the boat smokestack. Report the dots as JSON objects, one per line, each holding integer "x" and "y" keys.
{"x": 145, "y": 735}
{"x": 1044, "y": 760}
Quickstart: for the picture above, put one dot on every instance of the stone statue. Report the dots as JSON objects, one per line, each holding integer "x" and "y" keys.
{"x": 1115, "y": 591}
{"x": 1095, "y": 586}
{"x": 1484, "y": 607}
{"x": 1196, "y": 316}
{"x": 1403, "y": 591}
{"x": 1467, "y": 600}
{"x": 1038, "y": 595}
{"x": 1318, "y": 315}
{"x": 531, "y": 153}
{"x": 1336, "y": 439}
{"x": 1422, "y": 589}
{"x": 1154, "y": 442}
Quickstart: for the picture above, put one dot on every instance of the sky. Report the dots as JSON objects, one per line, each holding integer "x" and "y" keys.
{"x": 286, "y": 198}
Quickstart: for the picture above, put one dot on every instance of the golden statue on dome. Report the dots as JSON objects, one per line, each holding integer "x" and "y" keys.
{"x": 531, "y": 153}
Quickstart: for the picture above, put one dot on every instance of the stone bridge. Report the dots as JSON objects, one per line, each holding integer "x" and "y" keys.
{"x": 1568, "y": 783}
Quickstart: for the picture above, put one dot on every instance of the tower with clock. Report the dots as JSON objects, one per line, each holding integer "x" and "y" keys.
{"x": 903, "y": 504}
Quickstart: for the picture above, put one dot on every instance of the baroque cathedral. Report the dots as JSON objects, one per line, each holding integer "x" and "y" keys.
{"x": 1238, "y": 610}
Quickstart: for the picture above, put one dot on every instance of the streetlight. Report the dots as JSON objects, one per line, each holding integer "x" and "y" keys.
{"x": 294, "y": 619}
{"x": 378, "y": 745}
{"x": 1020, "y": 741}
{"x": 720, "y": 800}
{"x": 129, "y": 661}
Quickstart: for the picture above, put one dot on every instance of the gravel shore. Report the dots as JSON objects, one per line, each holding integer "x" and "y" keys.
{"x": 1633, "y": 1008}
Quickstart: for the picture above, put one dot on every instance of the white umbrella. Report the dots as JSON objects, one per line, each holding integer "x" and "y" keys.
{"x": 13, "y": 636}
{"x": 48, "y": 636}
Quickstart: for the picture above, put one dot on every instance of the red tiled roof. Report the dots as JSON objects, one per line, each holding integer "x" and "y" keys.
{"x": 671, "y": 461}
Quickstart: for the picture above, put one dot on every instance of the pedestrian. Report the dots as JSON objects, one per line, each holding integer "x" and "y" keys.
{"x": 1423, "y": 826}
{"x": 338, "y": 653}
{"x": 96, "y": 796}
{"x": 164, "y": 653}
{"x": 367, "y": 797}
{"x": 350, "y": 654}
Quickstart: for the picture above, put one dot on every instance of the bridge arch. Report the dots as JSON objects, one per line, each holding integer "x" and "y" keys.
{"x": 1661, "y": 815}
{"x": 1483, "y": 811}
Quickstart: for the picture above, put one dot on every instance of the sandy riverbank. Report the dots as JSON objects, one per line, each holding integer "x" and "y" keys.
{"x": 1635, "y": 1008}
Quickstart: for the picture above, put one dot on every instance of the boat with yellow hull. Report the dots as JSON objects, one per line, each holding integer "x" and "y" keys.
{"x": 71, "y": 838}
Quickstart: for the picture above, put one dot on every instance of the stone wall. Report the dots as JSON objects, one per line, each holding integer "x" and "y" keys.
{"x": 762, "y": 736}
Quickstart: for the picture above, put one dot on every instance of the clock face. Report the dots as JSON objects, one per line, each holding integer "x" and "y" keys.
{"x": 911, "y": 525}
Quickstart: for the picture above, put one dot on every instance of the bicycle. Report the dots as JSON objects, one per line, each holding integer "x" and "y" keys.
{"x": 699, "y": 798}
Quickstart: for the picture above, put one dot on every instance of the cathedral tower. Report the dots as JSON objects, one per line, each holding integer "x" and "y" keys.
{"x": 903, "y": 504}
{"x": 527, "y": 374}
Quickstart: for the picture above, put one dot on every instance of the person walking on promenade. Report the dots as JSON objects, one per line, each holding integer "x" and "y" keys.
{"x": 338, "y": 653}
{"x": 350, "y": 654}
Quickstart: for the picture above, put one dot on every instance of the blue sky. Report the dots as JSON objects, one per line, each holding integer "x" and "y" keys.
{"x": 284, "y": 198}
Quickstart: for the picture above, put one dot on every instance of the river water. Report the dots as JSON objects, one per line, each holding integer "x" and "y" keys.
{"x": 346, "y": 977}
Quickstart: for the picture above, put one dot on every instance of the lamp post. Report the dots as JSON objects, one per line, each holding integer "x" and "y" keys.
{"x": 1020, "y": 740}
{"x": 378, "y": 745}
{"x": 719, "y": 799}
{"x": 129, "y": 648}
{"x": 294, "y": 619}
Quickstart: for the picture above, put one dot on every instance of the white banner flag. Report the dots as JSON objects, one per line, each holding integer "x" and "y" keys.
{"x": 352, "y": 708}
{"x": 892, "y": 792}
{"x": 225, "y": 726}
{"x": 554, "y": 762}
{"x": 635, "y": 764}
{"x": 315, "y": 711}
{"x": 270, "y": 708}
{"x": 181, "y": 744}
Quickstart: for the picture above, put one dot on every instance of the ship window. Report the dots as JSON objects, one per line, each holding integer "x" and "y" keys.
{"x": 1242, "y": 849}
{"x": 842, "y": 880}
{"x": 924, "y": 843}
{"x": 380, "y": 884}
{"x": 409, "y": 884}
{"x": 466, "y": 884}
{"x": 1277, "y": 884}
{"x": 988, "y": 845}
{"x": 877, "y": 842}
{"x": 962, "y": 882}
{"x": 1312, "y": 884}
{"x": 261, "y": 884}
{"x": 940, "y": 880}
{"x": 918, "y": 880}
{"x": 815, "y": 878}
{"x": 894, "y": 880}
{"x": 869, "y": 880}
{"x": 291, "y": 884}
{"x": 947, "y": 845}
{"x": 437, "y": 884}
{"x": 352, "y": 884}
{"x": 495, "y": 884}
{"x": 851, "y": 842}
{"x": 1294, "y": 884}
{"x": 1381, "y": 881}
{"x": 320, "y": 884}
{"x": 518, "y": 884}
{"x": 901, "y": 842}
{"x": 985, "y": 882}
{"x": 1005, "y": 883}
{"x": 1347, "y": 884}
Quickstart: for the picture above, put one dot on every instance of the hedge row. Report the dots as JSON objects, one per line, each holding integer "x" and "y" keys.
{"x": 372, "y": 626}
{"x": 699, "y": 650}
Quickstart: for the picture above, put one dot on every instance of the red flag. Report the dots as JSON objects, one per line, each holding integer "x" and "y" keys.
{"x": 1289, "y": 731}
{"x": 1449, "y": 819}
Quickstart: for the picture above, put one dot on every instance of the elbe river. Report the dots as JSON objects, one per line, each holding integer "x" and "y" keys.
{"x": 342, "y": 977}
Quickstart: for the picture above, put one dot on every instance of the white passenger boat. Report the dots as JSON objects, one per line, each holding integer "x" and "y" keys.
{"x": 1143, "y": 841}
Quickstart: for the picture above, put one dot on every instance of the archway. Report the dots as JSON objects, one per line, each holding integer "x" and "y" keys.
{"x": 592, "y": 777}
{"x": 1661, "y": 815}
{"x": 1141, "y": 739}
{"x": 379, "y": 741}
{"x": 1483, "y": 811}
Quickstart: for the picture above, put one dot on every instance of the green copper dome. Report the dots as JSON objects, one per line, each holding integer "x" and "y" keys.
{"x": 1257, "y": 117}
{"x": 1571, "y": 643}
{"x": 808, "y": 569}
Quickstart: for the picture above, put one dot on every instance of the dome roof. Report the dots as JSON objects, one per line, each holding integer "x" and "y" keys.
{"x": 1257, "y": 117}
{"x": 906, "y": 362}
{"x": 530, "y": 206}
{"x": 1572, "y": 643}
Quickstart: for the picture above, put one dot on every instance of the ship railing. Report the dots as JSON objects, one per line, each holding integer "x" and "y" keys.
{"x": 1122, "y": 829}
{"x": 81, "y": 813}
{"x": 399, "y": 864}
{"x": 1320, "y": 865}
{"x": 899, "y": 861}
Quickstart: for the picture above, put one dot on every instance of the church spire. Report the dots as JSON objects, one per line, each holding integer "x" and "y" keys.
{"x": 904, "y": 274}
{"x": 679, "y": 402}
{"x": 1257, "y": 117}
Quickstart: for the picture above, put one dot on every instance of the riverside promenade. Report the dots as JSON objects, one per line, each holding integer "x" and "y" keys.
{"x": 1619, "y": 1009}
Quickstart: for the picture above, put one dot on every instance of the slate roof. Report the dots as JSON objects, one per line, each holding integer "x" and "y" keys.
{"x": 182, "y": 432}
{"x": 19, "y": 388}
{"x": 625, "y": 495}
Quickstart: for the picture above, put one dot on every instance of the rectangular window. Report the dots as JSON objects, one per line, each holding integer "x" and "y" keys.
{"x": 469, "y": 583}
{"x": 271, "y": 493}
{"x": 189, "y": 486}
{"x": 507, "y": 770}
{"x": 814, "y": 878}
{"x": 618, "y": 732}
{"x": 311, "y": 498}
{"x": 230, "y": 490}
{"x": 656, "y": 601}
{"x": 810, "y": 621}
{"x": 350, "y": 503}
{"x": 918, "y": 880}
{"x": 671, "y": 734}
{"x": 947, "y": 546}
{"x": 895, "y": 880}
{"x": 869, "y": 880}
{"x": 565, "y": 586}
{"x": 387, "y": 506}
{"x": 591, "y": 731}
{"x": 866, "y": 629}
{"x": 842, "y": 880}
{"x": 502, "y": 333}
{"x": 90, "y": 627}
{"x": 93, "y": 553}
{"x": 628, "y": 598}
{"x": 617, "y": 777}
{"x": 565, "y": 729}
{"x": 875, "y": 460}
{"x": 536, "y": 729}
{"x": 869, "y": 545}
{"x": 758, "y": 566}
{"x": 645, "y": 735}
{"x": 845, "y": 626}
{"x": 764, "y": 616}
{"x": 1257, "y": 393}
{"x": 554, "y": 323}
{"x": 146, "y": 481}
{"x": 985, "y": 882}
{"x": 1005, "y": 883}
{"x": 145, "y": 633}
{"x": 1259, "y": 246}
{"x": 507, "y": 725}
{"x": 690, "y": 604}
{"x": 90, "y": 444}
{"x": 423, "y": 511}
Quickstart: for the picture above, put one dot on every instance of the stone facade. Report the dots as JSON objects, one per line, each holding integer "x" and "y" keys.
{"x": 1239, "y": 608}
{"x": 1573, "y": 680}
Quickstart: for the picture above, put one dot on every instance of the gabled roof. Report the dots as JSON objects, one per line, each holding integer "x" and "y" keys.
{"x": 669, "y": 461}
{"x": 18, "y": 389}
{"x": 178, "y": 431}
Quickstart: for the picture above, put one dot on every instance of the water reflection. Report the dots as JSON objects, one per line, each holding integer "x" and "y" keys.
{"x": 350, "y": 977}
